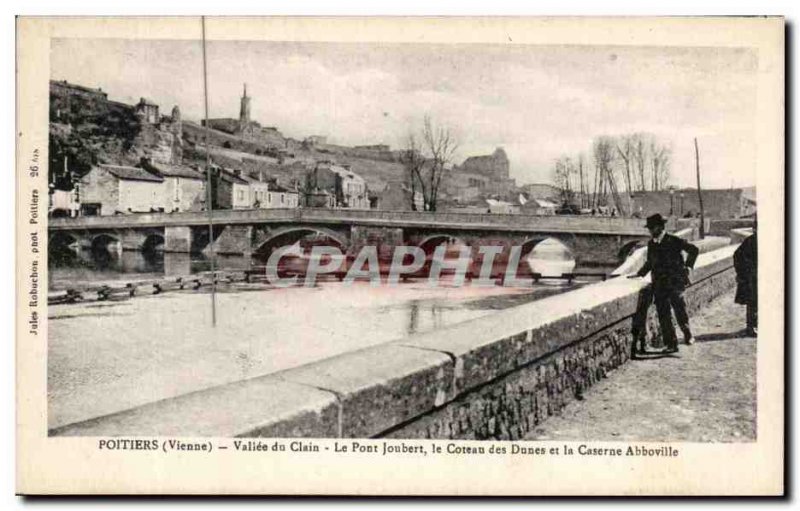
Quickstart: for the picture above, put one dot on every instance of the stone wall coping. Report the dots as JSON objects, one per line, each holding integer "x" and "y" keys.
{"x": 380, "y": 386}
{"x": 237, "y": 409}
{"x": 370, "y": 391}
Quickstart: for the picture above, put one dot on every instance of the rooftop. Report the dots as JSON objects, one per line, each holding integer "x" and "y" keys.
{"x": 230, "y": 176}
{"x": 131, "y": 173}
{"x": 175, "y": 171}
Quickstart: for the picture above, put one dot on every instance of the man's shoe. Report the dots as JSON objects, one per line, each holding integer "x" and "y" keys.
{"x": 668, "y": 351}
{"x": 687, "y": 336}
{"x": 751, "y": 333}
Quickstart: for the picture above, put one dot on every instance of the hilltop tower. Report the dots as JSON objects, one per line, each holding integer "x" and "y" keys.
{"x": 244, "y": 110}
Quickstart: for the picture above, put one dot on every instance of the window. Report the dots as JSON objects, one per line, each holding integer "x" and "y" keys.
{"x": 283, "y": 196}
{"x": 241, "y": 195}
{"x": 269, "y": 197}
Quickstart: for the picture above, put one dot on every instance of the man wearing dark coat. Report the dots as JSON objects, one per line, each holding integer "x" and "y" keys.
{"x": 670, "y": 275}
{"x": 745, "y": 261}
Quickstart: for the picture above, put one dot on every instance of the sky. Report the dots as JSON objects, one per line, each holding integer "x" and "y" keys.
{"x": 537, "y": 102}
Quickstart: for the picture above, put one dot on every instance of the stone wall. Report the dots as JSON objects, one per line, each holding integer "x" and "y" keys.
{"x": 723, "y": 227}
{"x": 233, "y": 240}
{"x": 723, "y": 203}
{"x": 510, "y": 406}
{"x": 494, "y": 377}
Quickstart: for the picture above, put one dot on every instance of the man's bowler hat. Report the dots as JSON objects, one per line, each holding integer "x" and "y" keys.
{"x": 654, "y": 220}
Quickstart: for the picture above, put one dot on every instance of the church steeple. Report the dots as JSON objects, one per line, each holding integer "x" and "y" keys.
{"x": 244, "y": 110}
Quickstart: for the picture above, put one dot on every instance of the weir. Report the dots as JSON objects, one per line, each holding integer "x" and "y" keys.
{"x": 495, "y": 377}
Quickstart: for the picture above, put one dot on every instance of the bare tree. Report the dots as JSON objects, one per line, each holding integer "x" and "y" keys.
{"x": 427, "y": 162}
{"x": 664, "y": 165}
{"x": 441, "y": 145}
{"x": 604, "y": 155}
{"x": 413, "y": 162}
{"x": 562, "y": 178}
{"x": 660, "y": 161}
{"x": 626, "y": 149}
{"x": 640, "y": 157}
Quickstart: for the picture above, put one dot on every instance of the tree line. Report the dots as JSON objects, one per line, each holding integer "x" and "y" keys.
{"x": 617, "y": 167}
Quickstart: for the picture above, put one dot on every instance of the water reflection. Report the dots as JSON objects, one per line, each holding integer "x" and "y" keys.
{"x": 72, "y": 265}
{"x": 552, "y": 258}
{"x": 424, "y": 316}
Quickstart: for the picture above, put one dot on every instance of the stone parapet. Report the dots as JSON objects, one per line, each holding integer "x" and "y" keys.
{"x": 723, "y": 227}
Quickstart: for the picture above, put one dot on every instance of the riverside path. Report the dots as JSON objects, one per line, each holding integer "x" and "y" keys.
{"x": 704, "y": 393}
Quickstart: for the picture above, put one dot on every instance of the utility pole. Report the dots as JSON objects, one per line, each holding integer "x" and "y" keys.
{"x": 580, "y": 173}
{"x": 699, "y": 191}
{"x": 209, "y": 191}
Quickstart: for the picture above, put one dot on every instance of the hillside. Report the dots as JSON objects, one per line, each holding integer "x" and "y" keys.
{"x": 86, "y": 128}
{"x": 231, "y": 151}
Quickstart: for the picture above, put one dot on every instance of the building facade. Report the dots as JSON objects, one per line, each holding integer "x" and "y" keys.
{"x": 63, "y": 203}
{"x": 183, "y": 188}
{"x": 230, "y": 190}
{"x": 268, "y": 194}
{"x": 318, "y": 198}
{"x": 116, "y": 189}
{"x": 719, "y": 203}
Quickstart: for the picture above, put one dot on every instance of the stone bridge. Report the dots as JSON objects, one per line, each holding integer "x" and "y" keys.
{"x": 592, "y": 240}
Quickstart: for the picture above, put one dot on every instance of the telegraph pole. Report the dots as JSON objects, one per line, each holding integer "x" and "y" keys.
{"x": 209, "y": 191}
{"x": 699, "y": 191}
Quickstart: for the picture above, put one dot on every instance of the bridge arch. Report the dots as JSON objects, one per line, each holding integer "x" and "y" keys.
{"x": 430, "y": 242}
{"x": 291, "y": 234}
{"x": 60, "y": 240}
{"x": 100, "y": 242}
{"x": 152, "y": 242}
{"x": 548, "y": 255}
{"x": 530, "y": 244}
{"x": 628, "y": 249}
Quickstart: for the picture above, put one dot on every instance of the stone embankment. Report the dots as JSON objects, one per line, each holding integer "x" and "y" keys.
{"x": 496, "y": 377}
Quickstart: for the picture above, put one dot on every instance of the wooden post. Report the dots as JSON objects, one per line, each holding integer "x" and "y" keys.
{"x": 699, "y": 191}
{"x": 209, "y": 191}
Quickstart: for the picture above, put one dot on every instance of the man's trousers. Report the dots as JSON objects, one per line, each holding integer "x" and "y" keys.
{"x": 667, "y": 300}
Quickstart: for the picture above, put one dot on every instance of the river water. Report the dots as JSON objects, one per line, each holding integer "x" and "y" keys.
{"x": 110, "y": 356}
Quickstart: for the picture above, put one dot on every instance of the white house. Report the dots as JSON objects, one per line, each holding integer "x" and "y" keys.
{"x": 116, "y": 189}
